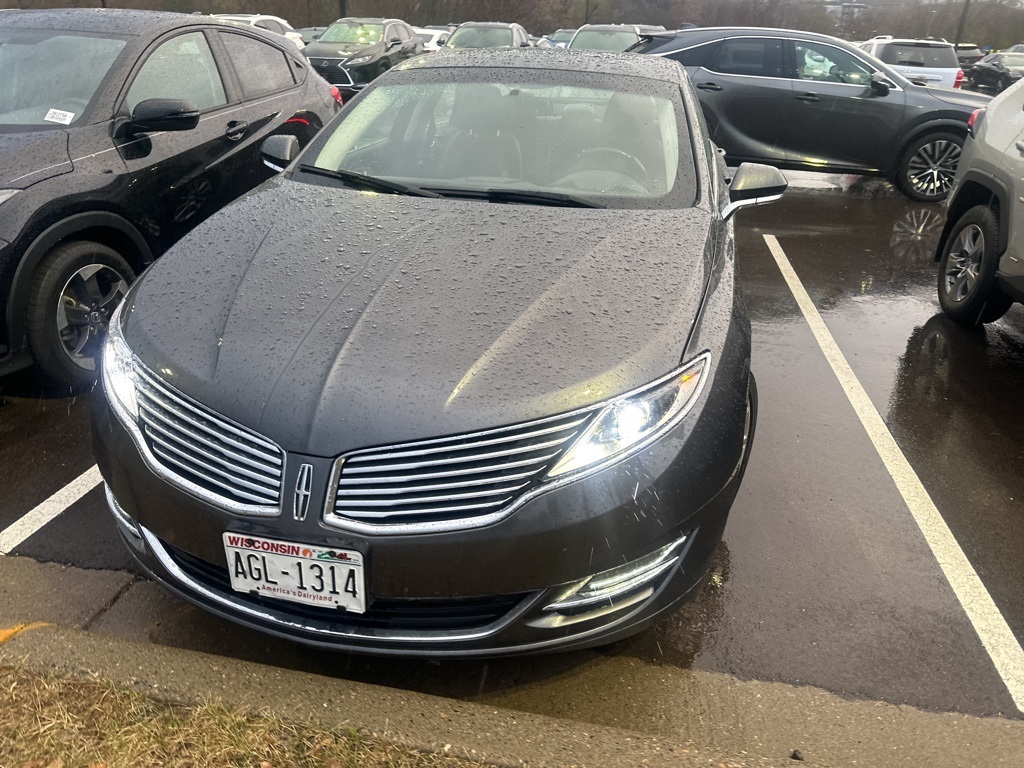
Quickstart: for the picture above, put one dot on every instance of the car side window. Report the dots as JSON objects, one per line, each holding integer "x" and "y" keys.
{"x": 756, "y": 57}
{"x": 819, "y": 61}
{"x": 261, "y": 68}
{"x": 694, "y": 57}
{"x": 389, "y": 33}
{"x": 403, "y": 33}
{"x": 180, "y": 68}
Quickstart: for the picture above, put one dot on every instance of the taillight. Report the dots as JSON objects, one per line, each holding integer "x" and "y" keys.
{"x": 336, "y": 94}
{"x": 959, "y": 78}
{"x": 974, "y": 120}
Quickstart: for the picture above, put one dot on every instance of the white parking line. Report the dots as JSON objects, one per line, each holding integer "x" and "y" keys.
{"x": 995, "y": 634}
{"x": 21, "y": 529}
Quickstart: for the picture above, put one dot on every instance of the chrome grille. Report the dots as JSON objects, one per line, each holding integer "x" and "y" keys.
{"x": 332, "y": 71}
{"x": 205, "y": 452}
{"x": 452, "y": 478}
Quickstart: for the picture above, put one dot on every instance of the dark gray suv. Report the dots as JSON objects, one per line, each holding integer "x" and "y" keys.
{"x": 807, "y": 101}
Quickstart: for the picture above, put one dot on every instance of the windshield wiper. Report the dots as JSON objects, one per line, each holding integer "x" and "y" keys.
{"x": 353, "y": 179}
{"x": 536, "y": 197}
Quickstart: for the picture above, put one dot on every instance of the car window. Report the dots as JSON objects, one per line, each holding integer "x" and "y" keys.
{"x": 403, "y": 32}
{"x": 261, "y": 68}
{"x": 604, "y": 39}
{"x": 353, "y": 32}
{"x": 623, "y": 143}
{"x": 480, "y": 37}
{"x": 919, "y": 55}
{"x": 820, "y": 61}
{"x": 180, "y": 68}
{"x": 756, "y": 57}
{"x": 694, "y": 57}
{"x": 50, "y": 78}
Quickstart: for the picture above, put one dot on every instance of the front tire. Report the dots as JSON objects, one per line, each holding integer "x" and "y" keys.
{"x": 967, "y": 270}
{"x": 75, "y": 290}
{"x": 928, "y": 166}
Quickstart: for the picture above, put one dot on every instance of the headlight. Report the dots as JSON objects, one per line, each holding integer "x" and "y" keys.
{"x": 119, "y": 370}
{"x": 7, "y": 194}
{"x": 636, "y": 419}
{"x": 358, "y": 60}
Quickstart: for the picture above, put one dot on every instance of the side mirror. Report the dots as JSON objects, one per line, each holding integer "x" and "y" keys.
{"x": 880, "y": 84}
{"x": 526, "y": 44}
{"x": 393, "y": 42}
{"x": 277, "y": 152}
{"x": 754, "y": 184}
{"x": 317, "y": 35}
{"x": 442, "y": 40}
{"x": 154, "y": 115}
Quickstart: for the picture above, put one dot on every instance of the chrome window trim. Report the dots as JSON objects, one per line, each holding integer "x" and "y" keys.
{"x": 323, "y": 628}
{"x": 334, "y": 520}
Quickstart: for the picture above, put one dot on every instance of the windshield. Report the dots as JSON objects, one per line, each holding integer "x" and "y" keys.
{"x": 480, "y": 37}
{"x": 50, "y": 78}
{"x": 1013, "y": 59}
{"x": 621, "y": 142}
{"x": 562, "y": 36}
{"x": 604, "y": 39}
{"x": 920, "y": 55}
{"x": 353, "y": 32}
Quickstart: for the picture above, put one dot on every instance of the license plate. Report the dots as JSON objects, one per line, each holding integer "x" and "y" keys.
{"x": 299, "y": 573}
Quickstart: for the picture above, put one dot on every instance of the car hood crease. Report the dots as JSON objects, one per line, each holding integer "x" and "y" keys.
{"x": 363, "y": 319}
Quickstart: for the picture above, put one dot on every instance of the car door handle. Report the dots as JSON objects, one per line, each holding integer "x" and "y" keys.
{"x": 809, "y": 97}
{"x": 236, "y": 130}
{"x": 1020, "y": 147}
{"x": 709, "y": 86}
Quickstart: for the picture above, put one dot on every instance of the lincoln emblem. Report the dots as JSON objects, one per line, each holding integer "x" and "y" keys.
{"x": 303, "y": 486}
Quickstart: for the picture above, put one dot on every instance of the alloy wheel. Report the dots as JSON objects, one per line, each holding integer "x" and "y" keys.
{"x": 86, "y": 303}
{"x": 964, "y": 262}
{"x": 932, "y": 168}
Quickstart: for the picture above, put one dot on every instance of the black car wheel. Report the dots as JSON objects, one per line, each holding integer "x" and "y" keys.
{"x": 1004, "y": 83}
{"x": 928, "y": 166}
{"x": 76, "y": 289}
{"x": 967, "y": 271}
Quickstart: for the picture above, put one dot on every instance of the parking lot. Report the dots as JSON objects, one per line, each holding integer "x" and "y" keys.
{"x": 828, "y": 575}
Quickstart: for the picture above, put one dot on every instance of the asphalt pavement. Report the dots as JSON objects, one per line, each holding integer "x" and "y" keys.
{"x": 828, "y": 577}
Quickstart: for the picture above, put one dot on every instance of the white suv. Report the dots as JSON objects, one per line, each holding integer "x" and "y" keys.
{"x": 270, "y": 23}
{"x": 927, "y": 62}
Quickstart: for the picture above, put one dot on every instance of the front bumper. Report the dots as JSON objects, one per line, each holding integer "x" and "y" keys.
{"x": 479, "y": 592}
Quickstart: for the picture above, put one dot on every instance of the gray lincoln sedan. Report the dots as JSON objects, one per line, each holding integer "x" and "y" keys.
{"x": 471, "y": 377}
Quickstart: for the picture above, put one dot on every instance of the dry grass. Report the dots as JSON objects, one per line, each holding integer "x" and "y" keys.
{"x": 53, "y": 722}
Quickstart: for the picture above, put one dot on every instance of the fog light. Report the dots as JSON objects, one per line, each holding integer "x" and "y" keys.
{"x": 611, "y": 590}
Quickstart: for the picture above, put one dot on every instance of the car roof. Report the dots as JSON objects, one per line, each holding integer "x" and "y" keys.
{"x": 912, "y": 41}
{"x": 687, "y": 37}
{"x": 117, "y": 21}
{"x": 499, "y": 24}
{"x": 563, "y": 59}
{"x": 367, "y": 20}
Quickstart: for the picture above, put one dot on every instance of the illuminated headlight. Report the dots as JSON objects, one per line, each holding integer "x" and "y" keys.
{"x": 119, "y": 370}
{"x": 636, "y": 419}
{"x": 358, "y": 60}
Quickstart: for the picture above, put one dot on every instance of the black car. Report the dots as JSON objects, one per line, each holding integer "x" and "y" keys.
{"x": 119, "y": 132}
{"x": 968, "y": 54}
{"x": 416, "y": 435}
{"x": 489, "y": 34}
{"x": 352, "y": 52}
{"x": 997, "y": 70}
{"x": 812, "y": 102}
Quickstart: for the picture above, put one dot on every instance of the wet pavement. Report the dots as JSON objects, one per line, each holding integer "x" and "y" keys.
{"x": 823, "y": 578}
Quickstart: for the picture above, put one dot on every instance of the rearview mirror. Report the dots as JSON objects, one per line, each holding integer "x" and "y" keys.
{"x": 880, "y": 84}
{"x": 154, "y": 115}
{"x": 754, "y": 184}
{"x": 277, "y": 152}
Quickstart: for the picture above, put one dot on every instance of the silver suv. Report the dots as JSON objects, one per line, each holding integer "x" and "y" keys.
{"x": 981, "y": 250}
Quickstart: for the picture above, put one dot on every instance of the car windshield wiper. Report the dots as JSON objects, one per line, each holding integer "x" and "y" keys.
{"x": 354, "y": 179}
{"x": 536, "y": 197}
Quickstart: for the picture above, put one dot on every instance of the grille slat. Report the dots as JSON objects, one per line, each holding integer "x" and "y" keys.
{"x": 393, "y": 484}
{"x": 205, "y": 452}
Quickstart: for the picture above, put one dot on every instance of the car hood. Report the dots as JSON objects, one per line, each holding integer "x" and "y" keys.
{"x": 960, "y": 98}
{"x": 329, "y": 319}
{"x": 34, "y": 156}
{"x": 337, "y": 50}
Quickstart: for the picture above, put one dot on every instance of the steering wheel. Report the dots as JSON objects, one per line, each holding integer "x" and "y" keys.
{"x": 628, "y": 164}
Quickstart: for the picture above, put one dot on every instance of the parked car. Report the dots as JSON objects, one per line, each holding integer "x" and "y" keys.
{"x": 119, "y": 132}
{"x": 311, "y": 34}
{"x": 489, "y": 34}
{"x": 997, "y": 70}
{"x": 541, "y": 42}
{"x": 560, "y": 37}
{"x": 927, "y": 62}
{"x": 610, "y": 37}
{"x": 981, "y": 249}
{"x": 274, "y": 24}
{"x": 813, "y": 102}
{"x": 352, "y": 52}
{"x": 432, "y": 39}
{"x": 1018, "y": 48}
{"x": 416, "y": 436}
{"x": 968, "y": 54}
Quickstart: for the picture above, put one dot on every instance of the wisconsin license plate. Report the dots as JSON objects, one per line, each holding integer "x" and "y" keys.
{"x": 299, "y": 573}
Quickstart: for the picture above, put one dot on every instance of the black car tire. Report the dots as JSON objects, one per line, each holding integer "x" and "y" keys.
{"x": 56, "y": 362}
{"x": 942, "y": 152}
{"x": 967, "y": 270}
{"x": 1004, "y": 83}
